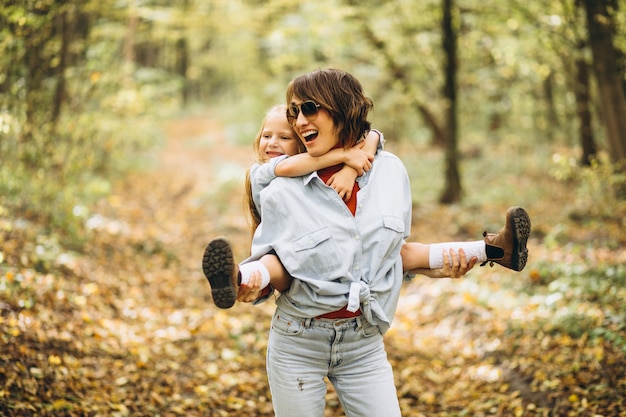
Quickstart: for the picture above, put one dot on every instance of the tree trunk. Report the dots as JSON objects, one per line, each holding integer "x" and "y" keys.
{"x": 33, "y": 99}
{"x": 131, "y": 32}
{"x": 453, "y": 190}
{"x": 599, "y": 25}
{"x": 400, "y": 73}
{"x": 583, "y": 112}
{"x": 59, "y": 93}
{"x": 182, "y": 64}
{"x": 553, "y": 118}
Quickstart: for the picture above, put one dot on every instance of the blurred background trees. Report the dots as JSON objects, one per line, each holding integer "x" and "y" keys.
{"x": 488, "y": 103}
{"x": 83, "y": 82}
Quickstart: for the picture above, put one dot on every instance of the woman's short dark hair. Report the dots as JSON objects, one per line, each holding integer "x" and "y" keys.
{"x": 341, "y": 94}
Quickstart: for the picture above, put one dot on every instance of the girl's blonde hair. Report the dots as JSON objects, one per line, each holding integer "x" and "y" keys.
{"x": 255, "y": 216}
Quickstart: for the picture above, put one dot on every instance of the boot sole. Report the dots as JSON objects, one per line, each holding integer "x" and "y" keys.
{"x": 519, "y": 221}
{"x": 217, "y": 265}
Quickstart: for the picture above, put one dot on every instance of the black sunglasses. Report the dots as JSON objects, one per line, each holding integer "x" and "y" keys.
{"x": 309, "y": 109}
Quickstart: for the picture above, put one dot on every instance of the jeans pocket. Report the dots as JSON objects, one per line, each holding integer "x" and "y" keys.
{"x": 368, "y": 330}
{"x": 287, "y": 326}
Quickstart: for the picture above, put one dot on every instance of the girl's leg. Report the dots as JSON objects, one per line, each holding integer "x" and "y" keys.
{"x": 421, "y": 256}
{"x": 473, "y": 249}
{"x": 279, "y": 277}
{"x": 225, "y": 276}
{"x": 414, "y": 256}
{"x": 507, "y": 247}
{"x": 221, "y": 271}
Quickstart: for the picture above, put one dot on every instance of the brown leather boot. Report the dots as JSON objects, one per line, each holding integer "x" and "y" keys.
{"x": 508, "y": 246}
{"x": 221, "y": 271}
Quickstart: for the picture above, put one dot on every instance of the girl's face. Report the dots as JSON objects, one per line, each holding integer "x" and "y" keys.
{"x": 317, "y": 132}
{"x": 277, "y": 137}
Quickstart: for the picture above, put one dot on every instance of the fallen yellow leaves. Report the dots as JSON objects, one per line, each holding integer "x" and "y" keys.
{"x": 128, "y": 328}
{"x": 54, "y": 360}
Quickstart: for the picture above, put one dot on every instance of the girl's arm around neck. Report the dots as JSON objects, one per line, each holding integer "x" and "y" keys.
{"x": 359, "y": 158}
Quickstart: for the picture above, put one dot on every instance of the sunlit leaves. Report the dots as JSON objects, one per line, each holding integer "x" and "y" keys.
{"x": 127, "y": 327}
{"x": 119, "y": 332}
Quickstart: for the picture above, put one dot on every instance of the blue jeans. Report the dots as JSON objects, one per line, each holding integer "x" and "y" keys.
{"x": 349, "y": 352}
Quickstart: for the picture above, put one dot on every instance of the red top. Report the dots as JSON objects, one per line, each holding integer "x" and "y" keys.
{"x": 325, "y": 175}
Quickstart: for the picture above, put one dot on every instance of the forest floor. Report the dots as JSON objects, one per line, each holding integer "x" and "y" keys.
{"x": 128, "y": 328}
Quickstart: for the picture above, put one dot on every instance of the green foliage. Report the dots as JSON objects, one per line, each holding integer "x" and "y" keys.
{"x": 614, "y": 338}
{"x": 75, "y": 164}
{"x": 54, "y": 166}
{"x": 583, "y": 298}
{"x": 127, "y": 65}
{"x": 600, "y": 189}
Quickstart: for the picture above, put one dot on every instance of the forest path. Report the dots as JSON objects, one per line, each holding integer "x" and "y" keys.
{"x": 127, "y": 326}
{"x": 196, "y": 360}
{"x": 451, "y": 344}
{"x": 436, "y": 330}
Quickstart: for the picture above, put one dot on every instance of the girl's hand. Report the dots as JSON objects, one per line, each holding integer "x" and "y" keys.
{"x": 343, "y": 182}
{"x": 358, "y": 159}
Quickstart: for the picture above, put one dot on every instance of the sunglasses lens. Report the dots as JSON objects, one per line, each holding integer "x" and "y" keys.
{"x": 309, "y": 108}
{"x": 292, "y": 112}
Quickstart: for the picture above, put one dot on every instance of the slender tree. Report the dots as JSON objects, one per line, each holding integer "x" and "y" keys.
{"x": 453, "y": 190}
{"x": 444, "y": 132}
{"x": 63, "y": 23}
{"x": 398, "y": 71}
{"x": 583, "y": 112}
{"x": 600, "y": 27}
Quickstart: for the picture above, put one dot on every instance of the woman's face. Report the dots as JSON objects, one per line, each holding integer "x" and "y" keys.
{"x": 277, "y": 137}
{"x": 318, "y": 134}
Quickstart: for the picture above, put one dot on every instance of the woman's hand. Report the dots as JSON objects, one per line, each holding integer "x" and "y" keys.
{"x": 249, "y": 292}
{"x": 454, "y": 266}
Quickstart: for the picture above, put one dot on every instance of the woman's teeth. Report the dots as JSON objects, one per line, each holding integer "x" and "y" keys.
{"x": 309, "y": 135}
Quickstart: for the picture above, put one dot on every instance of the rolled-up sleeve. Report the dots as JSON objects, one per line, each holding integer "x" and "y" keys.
{"x": 261, "y": 175}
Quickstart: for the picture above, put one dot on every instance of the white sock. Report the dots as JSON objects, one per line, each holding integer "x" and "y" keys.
{"x": 476, "y": 248}
{"x": 247, "y": 269}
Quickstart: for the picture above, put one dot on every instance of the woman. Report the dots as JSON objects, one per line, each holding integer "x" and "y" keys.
{"x": 344, "y": 257}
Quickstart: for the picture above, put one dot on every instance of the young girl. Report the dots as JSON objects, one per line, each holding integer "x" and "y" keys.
{"x": 279, "y": 152}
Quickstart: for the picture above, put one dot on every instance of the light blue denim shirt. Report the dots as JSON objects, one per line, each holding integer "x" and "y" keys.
{"x": 261, "y": 175}
{"x": 334, "y": 257}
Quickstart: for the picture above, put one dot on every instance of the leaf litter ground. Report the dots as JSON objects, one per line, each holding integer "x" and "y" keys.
{"x": 127, "y": 328}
